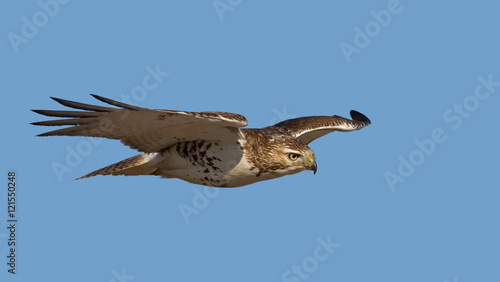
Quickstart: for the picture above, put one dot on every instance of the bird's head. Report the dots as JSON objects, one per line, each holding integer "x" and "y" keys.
{"x": 275, "y": 154}
{"x": 298, "y": 158}
{"x": 291, "y": 156}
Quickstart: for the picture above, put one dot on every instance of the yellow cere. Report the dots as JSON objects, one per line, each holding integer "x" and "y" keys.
{"x": 311, "y": 159}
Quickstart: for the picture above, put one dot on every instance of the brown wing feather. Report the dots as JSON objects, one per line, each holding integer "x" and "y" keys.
{"x": 146, "y": 130}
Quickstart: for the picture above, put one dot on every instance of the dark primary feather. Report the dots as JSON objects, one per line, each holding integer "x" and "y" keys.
{"x": 82, "y": 106}
{"x": 359, "y": 117}
{"x": 73, "y": 121}
{"x": 116, "y": 103}
{"x": 50, "y": 113}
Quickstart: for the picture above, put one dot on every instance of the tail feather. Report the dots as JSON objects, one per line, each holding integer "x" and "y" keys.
{"x": 136, "y": 165}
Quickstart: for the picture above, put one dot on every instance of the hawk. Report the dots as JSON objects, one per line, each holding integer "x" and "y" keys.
{"x": 206, "y": 148}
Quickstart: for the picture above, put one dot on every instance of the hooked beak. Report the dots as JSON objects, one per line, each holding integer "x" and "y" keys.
{"x": 314, "y": 167}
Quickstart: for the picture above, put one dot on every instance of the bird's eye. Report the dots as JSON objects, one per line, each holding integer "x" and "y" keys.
{"x": 293, "y": 156}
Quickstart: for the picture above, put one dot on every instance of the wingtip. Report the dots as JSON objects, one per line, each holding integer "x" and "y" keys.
{"x": 100, "y": 98}
{"x": 115, "y": 103}
{"x": 60, "y": 101}
{"x": 96, "y": 96}
{"x": 83, "y": 177}
{"x": 42, "y": 135}
{"x": 357, "y": 116}
{"x": 89, "y": 175}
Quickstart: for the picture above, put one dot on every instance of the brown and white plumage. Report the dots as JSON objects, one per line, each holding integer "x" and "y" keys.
{"x": 207, "y": 148}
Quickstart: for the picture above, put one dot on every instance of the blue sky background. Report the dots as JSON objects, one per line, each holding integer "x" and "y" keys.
{"x": 415, "y": 76}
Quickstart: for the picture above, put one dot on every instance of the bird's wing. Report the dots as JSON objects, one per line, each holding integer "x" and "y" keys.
{"x": 307, "y": 129}
{"x": 146, "y": 130}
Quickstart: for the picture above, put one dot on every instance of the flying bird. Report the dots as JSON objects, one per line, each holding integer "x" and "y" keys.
{"x": 206, "y": 148}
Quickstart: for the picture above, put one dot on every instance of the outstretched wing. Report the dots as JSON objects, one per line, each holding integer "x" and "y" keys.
{"x": 146, "y": 130}
{"x": 307, "y": 129}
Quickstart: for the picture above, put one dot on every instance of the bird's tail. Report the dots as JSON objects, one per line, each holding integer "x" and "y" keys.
{"x": 136, "y": 165}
